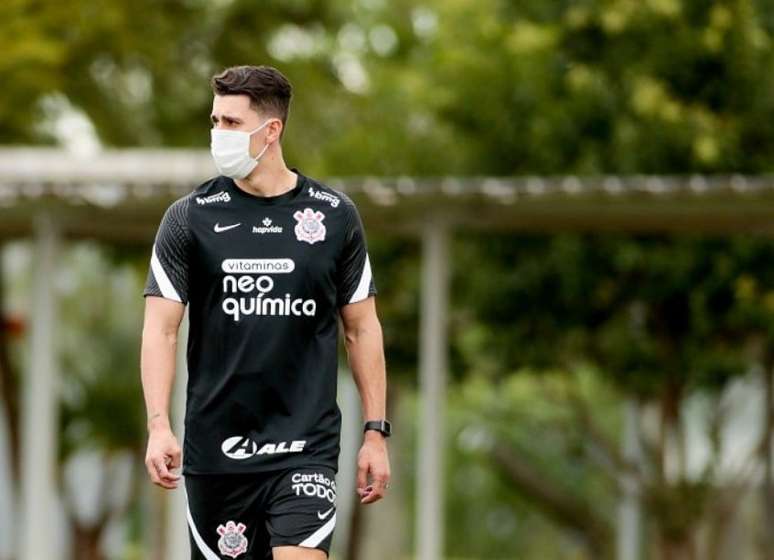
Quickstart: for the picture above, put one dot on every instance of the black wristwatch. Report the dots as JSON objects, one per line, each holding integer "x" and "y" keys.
{"x": 381, "y": 426}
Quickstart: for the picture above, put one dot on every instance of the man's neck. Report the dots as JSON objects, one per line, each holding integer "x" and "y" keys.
{"x": 268, "y": 180}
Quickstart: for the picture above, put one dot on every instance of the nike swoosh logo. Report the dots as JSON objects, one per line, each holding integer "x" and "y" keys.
{"x": 219, "y": 228}
{"x": 324, "y": 515}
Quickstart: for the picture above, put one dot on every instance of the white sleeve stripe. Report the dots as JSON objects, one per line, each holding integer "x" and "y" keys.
{"x": 317, "y": 537}
{"x": 205, "y": 550}
{"x": 166, "y": 287}
{"x": 365, "y": 280}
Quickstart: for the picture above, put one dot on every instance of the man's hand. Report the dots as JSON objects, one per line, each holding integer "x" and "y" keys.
{"x": 162, "y": 456}
{"x": 372, "y": 460}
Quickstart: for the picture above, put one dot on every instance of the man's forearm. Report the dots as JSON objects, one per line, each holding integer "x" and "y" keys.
{"x": 157, "y": 364}
{"x": 365, "y": 350}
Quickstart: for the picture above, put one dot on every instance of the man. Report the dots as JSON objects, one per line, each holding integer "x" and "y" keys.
{"x": 267, "y": 260}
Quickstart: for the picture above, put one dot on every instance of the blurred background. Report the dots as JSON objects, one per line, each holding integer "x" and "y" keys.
{"x": 569, "y": 211}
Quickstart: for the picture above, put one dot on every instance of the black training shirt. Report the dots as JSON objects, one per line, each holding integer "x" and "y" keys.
{"x": 264, "y": 279}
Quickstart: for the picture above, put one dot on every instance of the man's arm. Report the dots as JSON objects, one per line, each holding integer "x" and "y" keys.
{"x": 365, "y": 350}
{"x": 157, "y": 365}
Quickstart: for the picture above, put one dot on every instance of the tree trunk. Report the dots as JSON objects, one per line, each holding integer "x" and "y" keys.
{"x": 675, "y": 525}
{"x": 683, "y": 549}
{"x": 86, "y": 542}
{"x": 557, "y": 503}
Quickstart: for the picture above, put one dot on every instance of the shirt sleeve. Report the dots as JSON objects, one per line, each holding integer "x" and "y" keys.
{"x": 168, "y": 273}
{"x": 354, "y": 278}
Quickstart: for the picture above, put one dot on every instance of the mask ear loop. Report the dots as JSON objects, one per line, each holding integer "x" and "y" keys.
{"x": 267, "y": 121}
{"x": 266, "y": 147}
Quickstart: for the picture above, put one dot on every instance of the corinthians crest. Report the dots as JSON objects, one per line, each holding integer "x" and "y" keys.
{"x": 309, "y": 227}
{"x": 232, "y": 542}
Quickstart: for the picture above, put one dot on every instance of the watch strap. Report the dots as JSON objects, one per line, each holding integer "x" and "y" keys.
{"x": 382, "y": 426}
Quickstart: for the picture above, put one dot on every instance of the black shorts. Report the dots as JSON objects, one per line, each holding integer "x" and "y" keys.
{"x": 245, "y": 515}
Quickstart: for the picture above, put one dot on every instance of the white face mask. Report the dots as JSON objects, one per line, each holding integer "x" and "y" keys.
{"x": 231, "y": 151}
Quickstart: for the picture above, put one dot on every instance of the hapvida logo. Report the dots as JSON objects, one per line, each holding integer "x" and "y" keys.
{"x": 267, "y": 227}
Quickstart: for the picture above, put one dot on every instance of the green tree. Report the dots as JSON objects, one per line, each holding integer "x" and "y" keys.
{"x": 659, "y": 319}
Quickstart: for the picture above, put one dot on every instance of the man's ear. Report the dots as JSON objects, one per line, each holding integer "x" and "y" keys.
{"x": 278, "y": 127}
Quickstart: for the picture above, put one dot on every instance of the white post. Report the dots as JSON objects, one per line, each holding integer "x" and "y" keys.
{"x": 351, "y": 438}
{"x": 177, "y": 542}
{"x": 39, "y": 404}
{"x": 629, "y": 506}
{"x": 8, "y": 493}
{"x": 432, "y": 373}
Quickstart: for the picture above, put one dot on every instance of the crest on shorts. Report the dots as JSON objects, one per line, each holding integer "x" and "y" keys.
{"x": 309, "y": 227}
{"x": 232, "y": 542}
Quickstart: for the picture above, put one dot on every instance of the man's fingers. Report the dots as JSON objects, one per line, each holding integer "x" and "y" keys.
{"x": 381, "y": 482}
{"x": 175, "y": 459}
{"x": 163, "y": 455}
{"x": 170, "y": 476}
{"x": 377, "y": 493}
{"x": 161, "y": 467}
{"x": 152, "y": 472}
{"x": 376, "y": 490}
{"x": 164, "y": 477}
{"x": 381, "y": 476}
{"x": 362, "y": 472}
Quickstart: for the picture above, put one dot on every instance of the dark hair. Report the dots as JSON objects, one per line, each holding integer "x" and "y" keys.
{"x": 268, "y": 89}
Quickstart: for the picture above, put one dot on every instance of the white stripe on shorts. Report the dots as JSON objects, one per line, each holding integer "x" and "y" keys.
{"x": 317, "y": 537}
{"x": 203, "y": 548}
